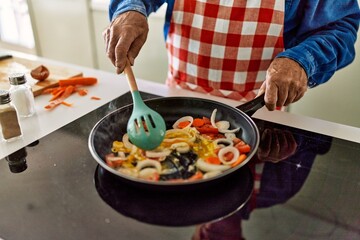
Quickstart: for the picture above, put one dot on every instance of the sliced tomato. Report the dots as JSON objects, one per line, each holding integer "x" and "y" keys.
{"x": 198, "y": 122}
{"x": 110, "y": 163}
{"x": 207, "y": 129}
{"x": 243, "y": 148}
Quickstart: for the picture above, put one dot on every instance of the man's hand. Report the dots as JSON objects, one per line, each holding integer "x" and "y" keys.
{"x": 286, "y": 82}
{"x": 124, "y": 38}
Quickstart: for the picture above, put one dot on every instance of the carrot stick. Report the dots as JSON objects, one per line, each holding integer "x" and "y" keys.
{"x": 57, "y": 94}
{"x": 49, "y": 90}
{"x": 77, "y": 81}
{"x": 196, "y": 176}
{"x": 240, "y": 159}
{"x": 82, "y": 92}
{"x": 95, "y": 98}
{"x": 213, "y": 160}
{"x": 68, "y": 91}
{"x": 66, "y": 104}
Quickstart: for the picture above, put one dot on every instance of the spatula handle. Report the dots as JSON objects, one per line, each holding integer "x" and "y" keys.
{"x": 129, "y": 74}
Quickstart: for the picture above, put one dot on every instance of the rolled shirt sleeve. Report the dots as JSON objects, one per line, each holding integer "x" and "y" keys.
{"x": 320, "y": 36}
{"x": 145, "y": 7}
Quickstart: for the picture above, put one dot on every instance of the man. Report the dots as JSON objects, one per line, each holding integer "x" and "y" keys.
{"x": 239, "y": 49}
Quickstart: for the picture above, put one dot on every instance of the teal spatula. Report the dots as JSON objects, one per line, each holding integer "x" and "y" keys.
{"x": 146, "y": 128}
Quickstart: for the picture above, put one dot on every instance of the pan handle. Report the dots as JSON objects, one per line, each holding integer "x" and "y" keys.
{"x": 252, "y": 106}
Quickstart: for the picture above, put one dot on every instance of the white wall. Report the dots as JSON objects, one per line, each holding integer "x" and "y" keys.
{"x": 151, "y": 64}
{"x": 63, "y": 30}
{"x": 338, "y": 100}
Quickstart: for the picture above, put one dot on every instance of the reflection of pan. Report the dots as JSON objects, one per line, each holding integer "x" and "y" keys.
{"x": 113, "y": 126}
{"x": 182, "y": 208}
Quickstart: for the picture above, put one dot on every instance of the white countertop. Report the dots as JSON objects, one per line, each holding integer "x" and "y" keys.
{"x": 111, "y": 86}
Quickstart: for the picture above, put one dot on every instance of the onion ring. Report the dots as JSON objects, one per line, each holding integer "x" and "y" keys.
{"x": 126, "y": 141}
{"x": 211, "y": 174}
{"x": 157, "y": 154}
{"x": 147, "y": 173}
{"x": 222, "y": 125}
{"x": 226, "y": 150}
{"x": 230, "y": 136}
{"x": 213, "y": 117}
{"x": 181, "y": 147}
{"x": 230, "y": 130}
{"x": 208, "y": 167}
{"x": 190, "y": 119}
{"x": 121, "y": 156}
{"x": 148, "y": 163}
{"x": 217, "y": 142}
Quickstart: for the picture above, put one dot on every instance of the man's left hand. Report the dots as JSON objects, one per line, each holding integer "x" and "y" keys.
{"x": 285, "y": 83}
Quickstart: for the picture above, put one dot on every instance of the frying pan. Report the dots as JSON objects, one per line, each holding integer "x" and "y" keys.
{"x": 113, "y": 127}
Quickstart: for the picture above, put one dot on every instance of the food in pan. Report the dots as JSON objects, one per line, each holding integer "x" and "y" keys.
{"x": 195, "y": 148}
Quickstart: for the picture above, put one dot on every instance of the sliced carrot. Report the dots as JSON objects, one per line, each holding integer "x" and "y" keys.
{"x": 82, "y": 92}
{"x": 49, "y": 90}
{"x": 77, "y": 81}
{"x": 238, "y": 141}
{"x": 95, "y": 98}
{"x": 206, "y": 120}
{"x": 183, "y": 124}
{"x": 57, "y": 94}
{"x": 243, "y": 148}
{"x": 213, "y": 160}
{"x": 56, "y": 90}
{"x": 197, "y": 175}
{"x": 68, "y": 91}
{"x": 240, "y": 159}
{"x": 198, "y": 122}
{"x": 66, "y": 104}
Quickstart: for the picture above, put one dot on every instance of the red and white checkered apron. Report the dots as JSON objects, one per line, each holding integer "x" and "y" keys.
{"x": 224, "y": 47}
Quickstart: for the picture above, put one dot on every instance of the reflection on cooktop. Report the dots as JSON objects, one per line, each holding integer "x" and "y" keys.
{"x": 209, "y": 202}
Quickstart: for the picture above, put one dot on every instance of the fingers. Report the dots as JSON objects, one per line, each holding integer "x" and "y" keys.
{"x": 286, "y": 82}
{"x": 124, "y": 38}
{"x": 135, "y": 48}
{"x": 271, "y": 96}
{"x": 262, "y": 89}
{"x": 276, "y": 145}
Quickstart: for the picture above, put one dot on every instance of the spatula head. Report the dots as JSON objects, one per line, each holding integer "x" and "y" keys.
{"x": 146, "y": 130}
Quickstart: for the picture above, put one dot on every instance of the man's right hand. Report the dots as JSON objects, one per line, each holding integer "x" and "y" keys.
{"x": 124, "y": 38}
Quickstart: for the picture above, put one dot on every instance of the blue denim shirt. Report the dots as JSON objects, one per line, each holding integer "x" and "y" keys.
{"x": 318, "y": 34}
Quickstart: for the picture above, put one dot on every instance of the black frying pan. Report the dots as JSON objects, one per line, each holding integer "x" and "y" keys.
{"x": 113, "y": 127}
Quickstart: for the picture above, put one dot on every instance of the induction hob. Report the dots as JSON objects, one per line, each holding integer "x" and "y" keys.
{"x": 300, "y": 185}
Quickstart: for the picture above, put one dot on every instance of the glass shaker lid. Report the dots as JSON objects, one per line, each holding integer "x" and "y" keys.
{"x": 17, "y": 78}
{"x": 4, "y": 96}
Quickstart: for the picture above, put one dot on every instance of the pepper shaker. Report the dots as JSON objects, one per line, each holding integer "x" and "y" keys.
{"x": 21, "y": 95}
{"x": 9, "y": 120}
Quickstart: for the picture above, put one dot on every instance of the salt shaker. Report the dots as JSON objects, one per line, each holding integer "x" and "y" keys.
{"x": 21, "y": 95}
{"x": 9, "y": 120}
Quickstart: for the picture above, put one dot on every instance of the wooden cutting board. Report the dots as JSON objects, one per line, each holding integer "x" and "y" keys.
{"x": 22, "y": 65}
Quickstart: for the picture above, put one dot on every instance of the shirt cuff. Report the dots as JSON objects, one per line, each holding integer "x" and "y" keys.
{"x": 128, "y": 5}
{"x": 306, "y": 60}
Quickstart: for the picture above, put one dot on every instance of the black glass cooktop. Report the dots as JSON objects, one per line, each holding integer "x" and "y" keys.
{"x": 300, "y": 185}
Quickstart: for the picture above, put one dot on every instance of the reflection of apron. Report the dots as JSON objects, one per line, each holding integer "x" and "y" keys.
{"x": 224, "y": 47}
